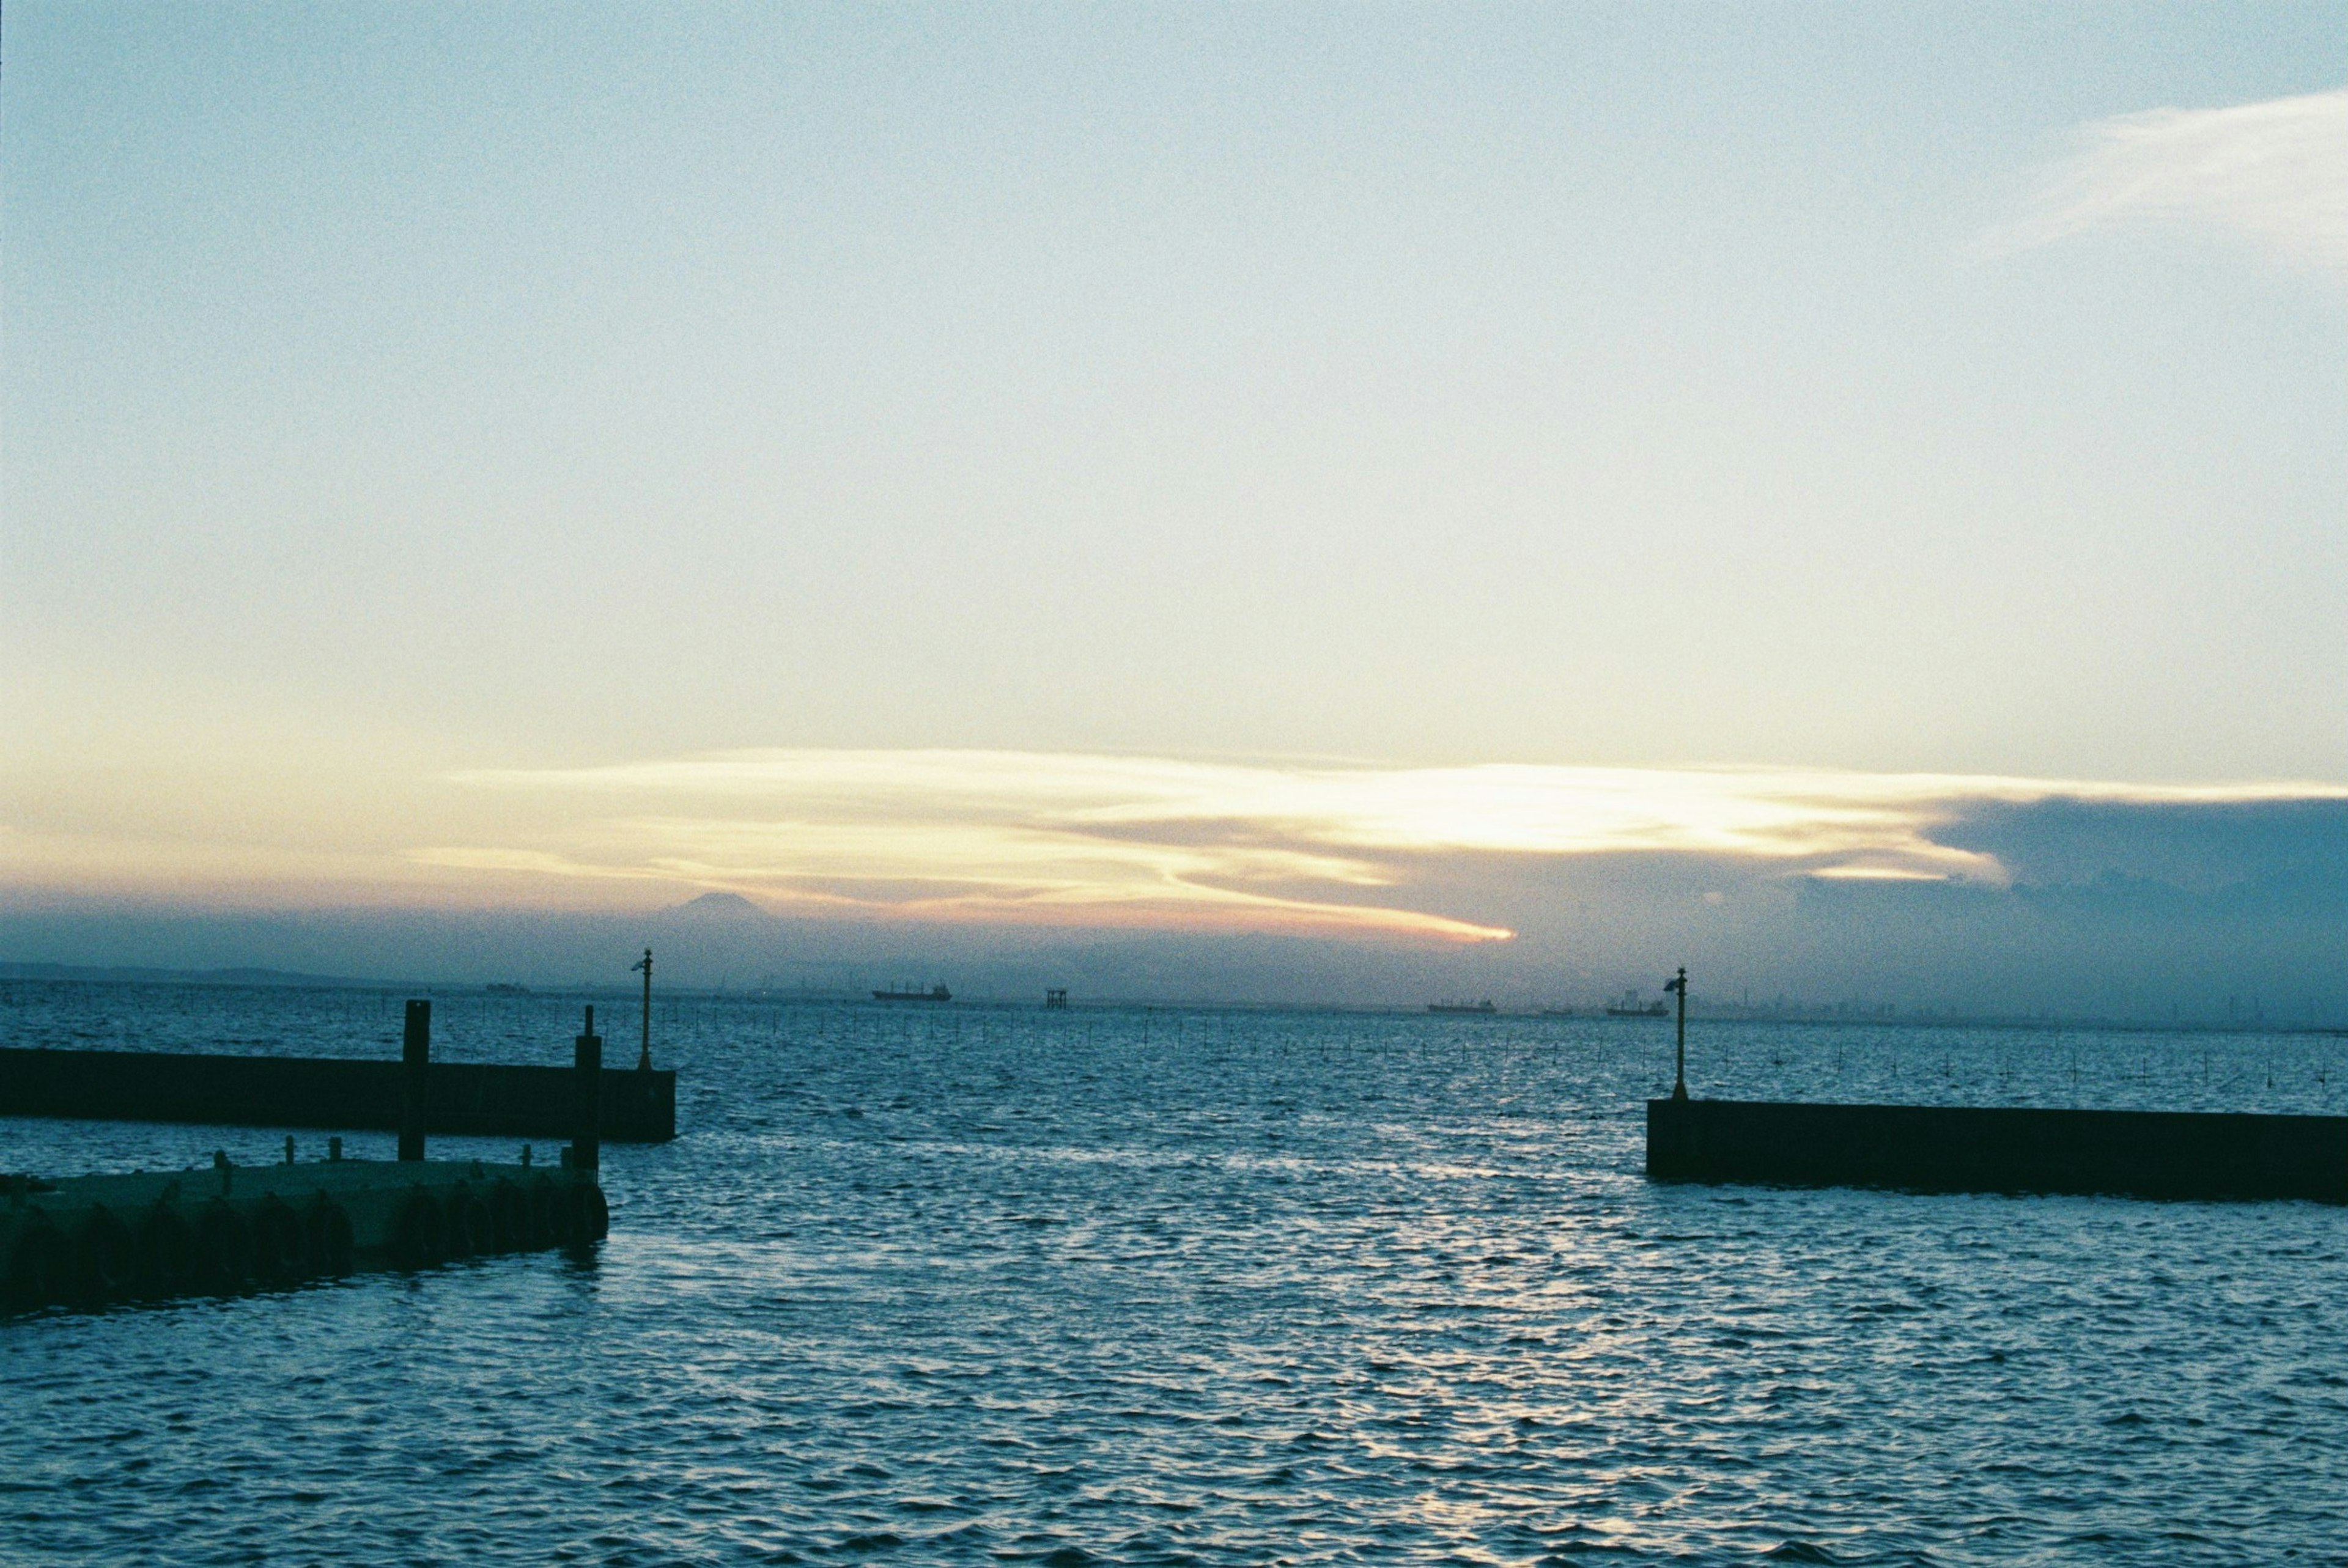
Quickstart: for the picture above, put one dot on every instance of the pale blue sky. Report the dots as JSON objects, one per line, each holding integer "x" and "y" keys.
{"x": 394, "y": 392}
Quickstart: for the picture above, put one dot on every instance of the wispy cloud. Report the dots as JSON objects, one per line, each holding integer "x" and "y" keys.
{"x": 2275, "y": 172}
{"x": 1100, "y": 840}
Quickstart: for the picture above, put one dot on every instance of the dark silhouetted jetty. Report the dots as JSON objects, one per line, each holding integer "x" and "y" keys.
{"x": 635, "y": 1106}
{"x": 460, "y": 1098}
{"x": 1999, "y": 1148}
{"x": 1991, "y": 1149}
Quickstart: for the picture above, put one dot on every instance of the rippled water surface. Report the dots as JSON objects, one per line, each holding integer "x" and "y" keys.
{"x": 976, "y": 1285}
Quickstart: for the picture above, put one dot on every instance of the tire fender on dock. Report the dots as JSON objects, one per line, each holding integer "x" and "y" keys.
{"x": 471, "y": 1228}
{"x": 510, "y": 1217}
{"x": 592, "y": 1215}
{"x": 167, "y": 1252}
{"x": 419, "y": 1235}
{"x": 549, "y": 1208}
{"x": 281, "y": 1244}
{"x": 333, "y": 1244}
{"x": 224, "y": 1247}
{"x": 39, "y": 1265}
{"x": 105, "y": 1257}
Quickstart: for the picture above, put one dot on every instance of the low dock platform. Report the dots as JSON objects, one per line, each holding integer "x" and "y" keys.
{"x": 88, "y": 1241}
{"x": 1948, "y": 1148}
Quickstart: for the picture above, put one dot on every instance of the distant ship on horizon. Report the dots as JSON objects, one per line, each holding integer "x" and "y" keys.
{"x": 1628, "y": 1005}
{"x": 904, "y": 993}
{"x": 1484, "y": 1006}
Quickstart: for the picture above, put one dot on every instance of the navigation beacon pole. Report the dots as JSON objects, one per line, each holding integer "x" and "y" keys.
{"x": 1679, "y": 1069}
{"x": 644, "y": 967}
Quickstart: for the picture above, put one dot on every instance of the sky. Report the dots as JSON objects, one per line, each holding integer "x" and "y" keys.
{"x": 1483, "y": 493}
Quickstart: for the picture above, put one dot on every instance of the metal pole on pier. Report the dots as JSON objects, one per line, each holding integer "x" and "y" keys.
{"x": 587, "y": 1098}
{"x": 1679, "y": 1066}
{"x": 644, "y": 1056}
{"x": 415, "y": 1055}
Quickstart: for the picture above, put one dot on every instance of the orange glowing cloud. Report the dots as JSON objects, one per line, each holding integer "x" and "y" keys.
{"x": 1071, "y": 840}
{"x": 1128, "y": 840}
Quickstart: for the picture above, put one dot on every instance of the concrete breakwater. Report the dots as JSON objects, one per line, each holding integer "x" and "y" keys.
{"x": 1948, "y": 1148}
{"x": 635, "y": 1106}
{"x": 91, "y": 1240}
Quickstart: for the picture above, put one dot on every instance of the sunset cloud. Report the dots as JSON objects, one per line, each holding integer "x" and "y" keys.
{"x": 1445, "y": 856}
{"x": 1128, "y": 840}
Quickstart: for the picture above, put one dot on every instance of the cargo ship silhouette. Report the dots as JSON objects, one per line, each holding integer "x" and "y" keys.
{"x": 1628, "y": 1005}
{"x": 903, "y": 993}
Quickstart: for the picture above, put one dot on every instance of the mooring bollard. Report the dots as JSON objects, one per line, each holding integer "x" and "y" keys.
{"x": 415, "y": 1055}
{"x": 587, "y": 1102}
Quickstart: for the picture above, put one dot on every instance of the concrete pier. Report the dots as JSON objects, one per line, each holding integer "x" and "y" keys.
{"x": 1943, "y": 1148}
{"x": 635, "y": 1106}
{"x": 89, "y": 1240}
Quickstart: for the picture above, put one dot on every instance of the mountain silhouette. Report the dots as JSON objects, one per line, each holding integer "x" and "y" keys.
{"x": 719, "y": 907}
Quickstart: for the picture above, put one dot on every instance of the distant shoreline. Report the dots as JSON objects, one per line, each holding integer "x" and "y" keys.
{"x": 134, "y": 974}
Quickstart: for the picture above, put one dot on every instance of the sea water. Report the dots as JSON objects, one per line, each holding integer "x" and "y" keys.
{"x": 981, "y": 1284}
